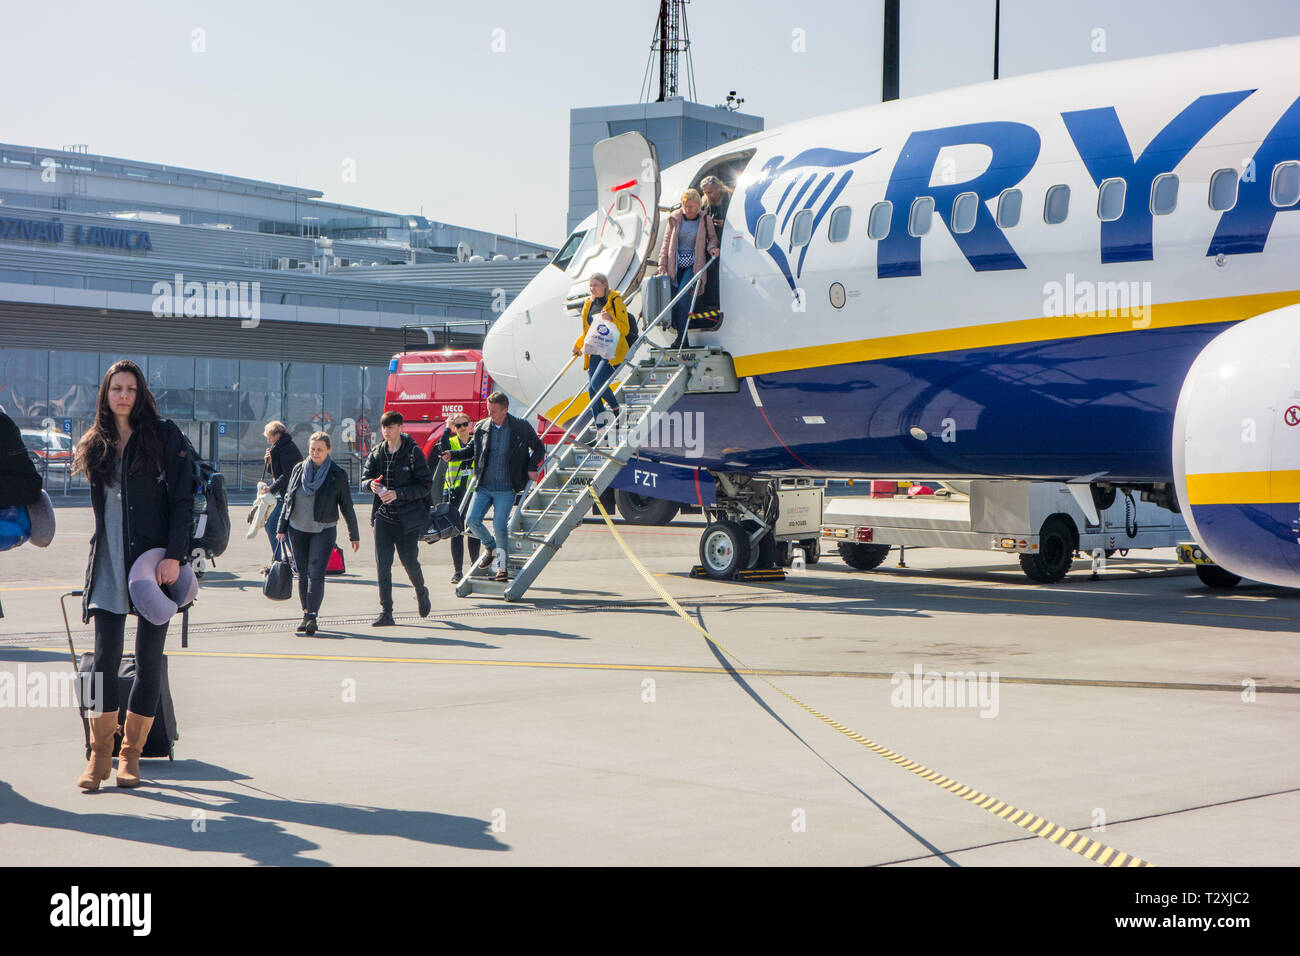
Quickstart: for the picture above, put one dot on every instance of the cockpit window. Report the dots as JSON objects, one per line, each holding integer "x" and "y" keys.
{"x": 569, "y": 250}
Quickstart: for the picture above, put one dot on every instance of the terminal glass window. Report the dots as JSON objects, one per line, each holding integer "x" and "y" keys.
{"x": 1285, "y": 190}
{"x": 841, "y": 220}
{"x": 765, "y": 231}
{"x": 964, "y": 210}
{"x": 879, "y": 219}
{"x": 801, "y": 229}
{"x": 171, "y": 379}
{"x": 74, "y": 384}
{"x": 1164, "y": 194}
{"x": 1223, "y": 189}
{"x": 1057, "y": 205}
{"x": 1110, "y": 199}
{"x": 1009, "y": 204}
{"x": 918, "y": 220}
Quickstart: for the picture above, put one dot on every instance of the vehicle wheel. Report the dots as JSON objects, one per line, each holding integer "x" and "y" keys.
{"x": 812, "y": 550}
{"x": 1055, "y": 553}
{"x": 724, "y": 549}
{"x": 608, "y": 499}
{"x": 783, "y": 553}
{"x": 639, "y": 509}
{"x": 764, "y": 554}
{"x": 864, "y": 557}
{"x": 1213, "y": 576}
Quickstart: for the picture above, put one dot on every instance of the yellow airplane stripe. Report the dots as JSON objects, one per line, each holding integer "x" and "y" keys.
{"x": 1243, "y": 488}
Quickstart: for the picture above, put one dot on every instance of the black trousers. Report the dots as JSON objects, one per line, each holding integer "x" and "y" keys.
{"x": 458, "y": 551}
{"x": 110, "y": 633}
{"x": 311, "y": 552}
{"x": 390, "y": 537}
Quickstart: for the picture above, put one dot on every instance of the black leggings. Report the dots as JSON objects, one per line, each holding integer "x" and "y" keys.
{"x": 311, "y": 552}
{"x": 110, "y": 633}
{"x": 458, "y": 551}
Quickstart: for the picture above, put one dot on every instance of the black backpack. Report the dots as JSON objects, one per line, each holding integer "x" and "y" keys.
{"x": 211, "y": 529}
{"x": 633, "y": 331}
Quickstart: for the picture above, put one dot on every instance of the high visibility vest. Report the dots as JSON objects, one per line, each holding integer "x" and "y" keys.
{"x": 458, "y": 472}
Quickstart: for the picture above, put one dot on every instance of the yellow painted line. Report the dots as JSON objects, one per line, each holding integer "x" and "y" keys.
{"x": 1243, "y": 488}
{"x": 45, "y": 587}
{"x": 971, "y": 597}
{"x": 921, "y": 771}
{"x": 1024, "y": 331}
{"x": 1248, "y": 617}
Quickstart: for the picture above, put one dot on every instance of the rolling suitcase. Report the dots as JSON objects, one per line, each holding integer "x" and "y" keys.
{"x": 163, "y": 734}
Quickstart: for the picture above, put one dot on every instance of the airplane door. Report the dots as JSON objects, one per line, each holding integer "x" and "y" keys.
{"x": 627, "y": 209}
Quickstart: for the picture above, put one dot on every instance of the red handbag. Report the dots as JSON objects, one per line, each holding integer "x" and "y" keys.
{"x": 336, "y": 565}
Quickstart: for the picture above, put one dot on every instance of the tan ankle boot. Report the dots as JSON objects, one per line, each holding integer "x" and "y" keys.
{"x": 128, "y": 758}
{"x": 102, "y": 729}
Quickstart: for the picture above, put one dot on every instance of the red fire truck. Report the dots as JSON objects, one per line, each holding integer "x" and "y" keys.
{"x": 428, "y": 385}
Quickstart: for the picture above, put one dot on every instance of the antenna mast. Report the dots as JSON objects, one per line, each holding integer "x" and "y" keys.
{"x": 671, "y": 39}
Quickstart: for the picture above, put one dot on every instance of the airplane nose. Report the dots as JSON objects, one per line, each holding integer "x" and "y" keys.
{"x": 500, "y": 359}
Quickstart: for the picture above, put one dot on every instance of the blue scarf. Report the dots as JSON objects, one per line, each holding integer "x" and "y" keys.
{"x": 313, "y": 477}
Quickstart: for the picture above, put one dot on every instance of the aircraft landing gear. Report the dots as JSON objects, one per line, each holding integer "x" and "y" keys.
{"x": 740, "y": 537}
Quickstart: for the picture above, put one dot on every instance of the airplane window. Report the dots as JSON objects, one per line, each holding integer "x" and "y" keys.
{"x": 1009, "y": 208}
{"x": 801, "y": 228}
{"x": 1223, "y": 189}
{"x": 1057, "y": 205}
{"x": 569, "y": 250}
{"x": 841, "y": 219}
{"x": 918, "y": 220}
{"x": 765, "y": 231}
{"x": 1110, "y": 199}
{"x": 1286, "y": 184}
{"x": 878, "y": 220}
{"x": 624, "y": 202}
{"x": 1164, "y": 194}
{"x": 964, "y": 210}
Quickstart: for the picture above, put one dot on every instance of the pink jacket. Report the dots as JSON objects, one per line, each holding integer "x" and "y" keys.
{"x": 706, "y": 241}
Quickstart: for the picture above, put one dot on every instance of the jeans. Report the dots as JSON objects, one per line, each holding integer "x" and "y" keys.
{"x": 682, "y": 309}
{"x": 110, "y": 633}
{"x": 311, "y": 552}
{"x": 599, "y": 372}
{"x": 390, "y": 537}
{"x": 501, "y": 502}
{"x": 272, "y": 523}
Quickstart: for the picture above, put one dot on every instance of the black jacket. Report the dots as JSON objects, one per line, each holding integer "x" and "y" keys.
{"x": 526, "y": 450}
{"x": 284, "y": 455}
{"x": 157, "y": 508}
{"x": 20, "y": 483}
{"x": 335, "y": 495}
{"x": 411, "y": 479}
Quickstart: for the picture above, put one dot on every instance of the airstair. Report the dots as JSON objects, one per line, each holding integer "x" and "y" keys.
{"x": 649, "y": 382}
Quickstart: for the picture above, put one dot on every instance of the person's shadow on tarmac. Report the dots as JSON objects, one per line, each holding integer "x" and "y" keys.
{"x": 239, "y": 820}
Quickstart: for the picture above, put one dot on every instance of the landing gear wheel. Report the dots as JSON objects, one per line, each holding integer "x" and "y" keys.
{"x": 864, "y": 557}
{"x": 762, "y": 555}
{"x": 638, "y": 509}
{"x": 1213, "y": 576}
{"x": 1055, "y": 553}
{"x": 609, "y": 501}
{"x": 724, "y": 549}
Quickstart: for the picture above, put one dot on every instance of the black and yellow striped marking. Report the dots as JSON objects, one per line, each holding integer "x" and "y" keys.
{"x": 1068, "y": 839}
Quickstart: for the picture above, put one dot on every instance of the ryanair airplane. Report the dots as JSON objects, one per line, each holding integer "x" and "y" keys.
{"x": 1086, "y": 276}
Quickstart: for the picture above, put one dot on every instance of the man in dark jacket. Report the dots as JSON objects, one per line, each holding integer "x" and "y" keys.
{"x": 398, "y": 475}
{"x": 506, "y": 453}
{"x": 280, "y": 458}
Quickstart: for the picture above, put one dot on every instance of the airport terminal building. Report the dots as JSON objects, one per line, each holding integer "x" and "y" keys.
{"x": 243, "y": 301}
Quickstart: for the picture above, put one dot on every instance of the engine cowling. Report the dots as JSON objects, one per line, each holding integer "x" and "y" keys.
{"x": 1237, "y": 448}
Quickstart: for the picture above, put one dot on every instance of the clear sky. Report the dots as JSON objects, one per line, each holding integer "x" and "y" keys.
{"x": 462, "y": 108}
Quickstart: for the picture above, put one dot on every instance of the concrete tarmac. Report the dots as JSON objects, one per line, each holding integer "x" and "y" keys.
{"x": 589, "y": 724}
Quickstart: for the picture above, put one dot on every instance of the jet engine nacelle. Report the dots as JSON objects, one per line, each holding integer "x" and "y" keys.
{"x": 1237, "y": 448}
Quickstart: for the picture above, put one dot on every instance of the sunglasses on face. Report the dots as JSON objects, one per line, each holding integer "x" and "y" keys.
{"x": 462, "y": 424}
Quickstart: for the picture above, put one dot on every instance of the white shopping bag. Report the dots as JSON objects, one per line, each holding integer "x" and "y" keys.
{"x": 602, "y": 338}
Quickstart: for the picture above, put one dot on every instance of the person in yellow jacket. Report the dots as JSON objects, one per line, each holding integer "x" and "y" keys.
{"x": 608, "y": 304}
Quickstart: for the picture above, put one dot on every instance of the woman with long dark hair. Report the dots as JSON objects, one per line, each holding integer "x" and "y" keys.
{"x": 142, "y": 495}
